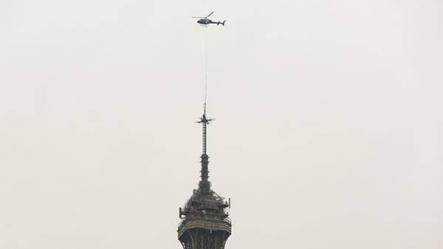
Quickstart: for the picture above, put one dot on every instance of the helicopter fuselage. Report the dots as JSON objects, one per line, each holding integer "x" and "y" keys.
{"x": 206, "y": 21}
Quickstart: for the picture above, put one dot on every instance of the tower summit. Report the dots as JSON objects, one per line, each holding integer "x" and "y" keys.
{"x": 205, "y": 222}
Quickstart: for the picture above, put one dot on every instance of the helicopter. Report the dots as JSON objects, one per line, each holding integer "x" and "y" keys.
{"x": 205, "y": 20}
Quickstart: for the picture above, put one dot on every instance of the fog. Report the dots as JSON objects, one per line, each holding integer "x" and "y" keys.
{"x": 328, "y": 130}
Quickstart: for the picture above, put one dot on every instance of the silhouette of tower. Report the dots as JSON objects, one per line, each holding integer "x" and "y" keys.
{"x": 204, "y": 218}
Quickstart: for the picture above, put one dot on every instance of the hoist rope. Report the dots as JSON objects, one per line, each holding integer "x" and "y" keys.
{"x": 205, "y": 67}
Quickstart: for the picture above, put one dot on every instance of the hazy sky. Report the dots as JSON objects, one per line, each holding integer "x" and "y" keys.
{"x": 328, "y": 132}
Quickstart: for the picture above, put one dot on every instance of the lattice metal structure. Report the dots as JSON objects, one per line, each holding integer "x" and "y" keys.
{"x": 205, "y": 222}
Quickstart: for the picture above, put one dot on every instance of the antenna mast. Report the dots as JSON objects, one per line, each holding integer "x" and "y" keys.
{"x": 204, "y": 184}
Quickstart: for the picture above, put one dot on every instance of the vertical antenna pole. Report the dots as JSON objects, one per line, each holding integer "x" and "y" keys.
{"x": 205, "y": 122}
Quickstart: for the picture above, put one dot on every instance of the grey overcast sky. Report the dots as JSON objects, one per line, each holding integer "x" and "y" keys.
{"x": 329, "y": 130}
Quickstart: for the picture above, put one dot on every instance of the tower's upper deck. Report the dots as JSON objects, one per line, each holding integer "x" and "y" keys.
{"x": 205, "y": 210}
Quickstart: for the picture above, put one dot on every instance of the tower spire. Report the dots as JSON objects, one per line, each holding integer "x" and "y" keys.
{"x": 205, "y": 222}
{"x": 204, "y": 184}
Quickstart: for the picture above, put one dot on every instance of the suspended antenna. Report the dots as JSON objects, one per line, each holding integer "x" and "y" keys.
{"x": 204, "y": 121}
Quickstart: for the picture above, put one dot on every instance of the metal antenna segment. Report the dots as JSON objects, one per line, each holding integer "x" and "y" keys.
{"x": 204, "y": 122}
{"x": 204, "y": 184}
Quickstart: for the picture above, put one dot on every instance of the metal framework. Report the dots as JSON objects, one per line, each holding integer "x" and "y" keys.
{"x": 205, "y": 222}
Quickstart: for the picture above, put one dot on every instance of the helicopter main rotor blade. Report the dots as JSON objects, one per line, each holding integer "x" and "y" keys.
{"x": 210, "y": 14}
{"x": 198, "y": 17}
